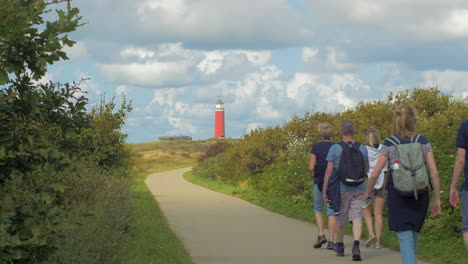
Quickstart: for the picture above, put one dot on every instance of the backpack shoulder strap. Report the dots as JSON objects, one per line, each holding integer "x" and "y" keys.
{"x": 415, "y": 138}
{"x": 343, "y": 144}
{"x": 394, "y": 140}
{"x": 356, "y": 145}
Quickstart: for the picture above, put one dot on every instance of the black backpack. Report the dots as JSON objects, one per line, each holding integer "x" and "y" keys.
{"x": 352, "y": 169}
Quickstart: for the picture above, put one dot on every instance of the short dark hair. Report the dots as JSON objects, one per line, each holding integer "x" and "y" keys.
{"x": 347, "y": 127}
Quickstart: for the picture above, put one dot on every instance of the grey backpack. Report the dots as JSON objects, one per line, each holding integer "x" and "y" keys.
{"x": 411, "y": 178}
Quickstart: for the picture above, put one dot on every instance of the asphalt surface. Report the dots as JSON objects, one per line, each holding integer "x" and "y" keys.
{"x": 219, "y": 229}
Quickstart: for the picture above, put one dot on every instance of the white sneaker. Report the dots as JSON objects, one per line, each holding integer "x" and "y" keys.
{"x": 370, "y": 241}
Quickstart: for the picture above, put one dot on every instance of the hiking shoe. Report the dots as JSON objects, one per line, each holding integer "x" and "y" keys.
{"x": 378, "y": 246}
{"x": 330, "y": 245}
{"x": 320, "y": 241}
{"x": 339, "y": 249}
{"x": 356, "y": 252}
{"x": 370, "y": 241}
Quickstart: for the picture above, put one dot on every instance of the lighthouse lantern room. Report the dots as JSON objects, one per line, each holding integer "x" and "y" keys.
{"x": 219, "y": 119}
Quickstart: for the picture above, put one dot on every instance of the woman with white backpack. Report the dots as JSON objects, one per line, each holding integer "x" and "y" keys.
{"x": 379, "y": 192}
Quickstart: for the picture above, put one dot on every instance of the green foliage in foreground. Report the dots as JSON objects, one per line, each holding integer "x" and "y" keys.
{"x": 64, "y": 171}
{"x": 274, "y": 160}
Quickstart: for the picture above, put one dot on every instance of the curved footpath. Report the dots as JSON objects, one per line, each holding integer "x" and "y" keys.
{"x": 220, "y": 229}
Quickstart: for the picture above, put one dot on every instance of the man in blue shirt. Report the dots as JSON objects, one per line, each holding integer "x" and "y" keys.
{"x": 460, "y": 162}
{"x": 347, "y": 197}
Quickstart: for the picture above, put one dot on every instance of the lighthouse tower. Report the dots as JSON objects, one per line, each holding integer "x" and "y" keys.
{"x": 219, "y": 119}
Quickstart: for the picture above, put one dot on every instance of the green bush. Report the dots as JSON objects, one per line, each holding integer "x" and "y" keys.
{"x": 289, "y": 180}
{"x": 96, "y": 226}
{"x": 63, "y": 170}
{"x": 213, "y": 150}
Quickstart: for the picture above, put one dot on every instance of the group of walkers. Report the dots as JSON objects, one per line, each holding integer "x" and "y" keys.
{"x": 351, "y": 177}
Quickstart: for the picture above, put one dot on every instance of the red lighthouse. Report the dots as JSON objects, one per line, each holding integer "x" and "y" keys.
{"x": 219, "y": 119}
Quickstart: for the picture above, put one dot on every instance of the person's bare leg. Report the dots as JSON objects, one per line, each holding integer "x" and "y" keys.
{"x": 331, "y": 228}
{"x": 319, "y": 221}
{"x": 339, "y": 232}
{"x": 368, "y": 220}
{"x": 357, "y": 229}
{"x": 465, "y": 237}
{"x": 378, "y": 209}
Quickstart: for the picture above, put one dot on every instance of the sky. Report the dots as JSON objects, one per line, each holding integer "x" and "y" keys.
{"x": 267, "y": 59}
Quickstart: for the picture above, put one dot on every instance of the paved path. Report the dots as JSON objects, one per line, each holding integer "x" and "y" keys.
{"x": 220, "y": 229}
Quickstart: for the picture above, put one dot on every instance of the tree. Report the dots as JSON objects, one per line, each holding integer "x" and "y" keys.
{"x": 39, "y": 128}
{"x": 28, "y": 43}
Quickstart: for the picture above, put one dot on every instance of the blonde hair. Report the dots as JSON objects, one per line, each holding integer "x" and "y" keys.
{"x": 404, "y": 123}
{"x": 347, "y": 127}
{"x": 372, "y": 137}
{"x": 325, "y": 130}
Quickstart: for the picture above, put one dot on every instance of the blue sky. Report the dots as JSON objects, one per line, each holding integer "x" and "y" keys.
{"x": 268, "y": 59}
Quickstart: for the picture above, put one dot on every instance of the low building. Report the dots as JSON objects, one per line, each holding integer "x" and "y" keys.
{"x": 175, "y": 138}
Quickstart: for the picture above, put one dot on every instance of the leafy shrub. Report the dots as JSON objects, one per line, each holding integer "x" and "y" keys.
{"x": 61, "y": 168}
{"x": 213, "y": 150}
{"x": 97, "y": 226}
{"x": 286, "y": 180}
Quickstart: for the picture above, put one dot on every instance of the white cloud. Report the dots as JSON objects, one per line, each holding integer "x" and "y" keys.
{"x": 166, "y": 96}
{"x": 456, "y": 24}
{"x": 223, "y": 20}
{"x": 333, "y": 60}
{"x": 265, "y": 110}
{"x": 77, "y": 51}
{"x": 298, "y": 88}
{"x": 152, "y": 73}
{"x": 140, "y": 53}
{"x": 308, "y": 54}
{"x": 327, "y": 93}
{"x": 172, "y": 65}
{"x": 449, "y": 81}
{"x": 253, "y": 126}
{"x": 214, "y": 60}
{"x": 424, "y": 20}
{"x": 244, "y": 24}
{"x": 121, "y": 90}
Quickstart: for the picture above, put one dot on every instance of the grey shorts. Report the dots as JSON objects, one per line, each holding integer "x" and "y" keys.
{"x": 464, "y": 205}
{"x": 350, "y": 207}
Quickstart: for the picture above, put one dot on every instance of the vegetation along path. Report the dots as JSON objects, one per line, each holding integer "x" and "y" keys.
{"x": 220, "y": 229}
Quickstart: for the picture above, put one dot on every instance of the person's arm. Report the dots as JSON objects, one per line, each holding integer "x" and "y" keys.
{"x": 381, "y": 162}
{"x": 366, "y": 159}
{"x": 328, "y": 173}
{"x": 312, "y": 162}
{"x": 457, "y": 169}
{"x": 434, "y": 174}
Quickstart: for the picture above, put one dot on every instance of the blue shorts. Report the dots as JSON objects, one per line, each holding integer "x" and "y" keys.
{"x": 464, "y": 205}
{"x": 318, "y": 202}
